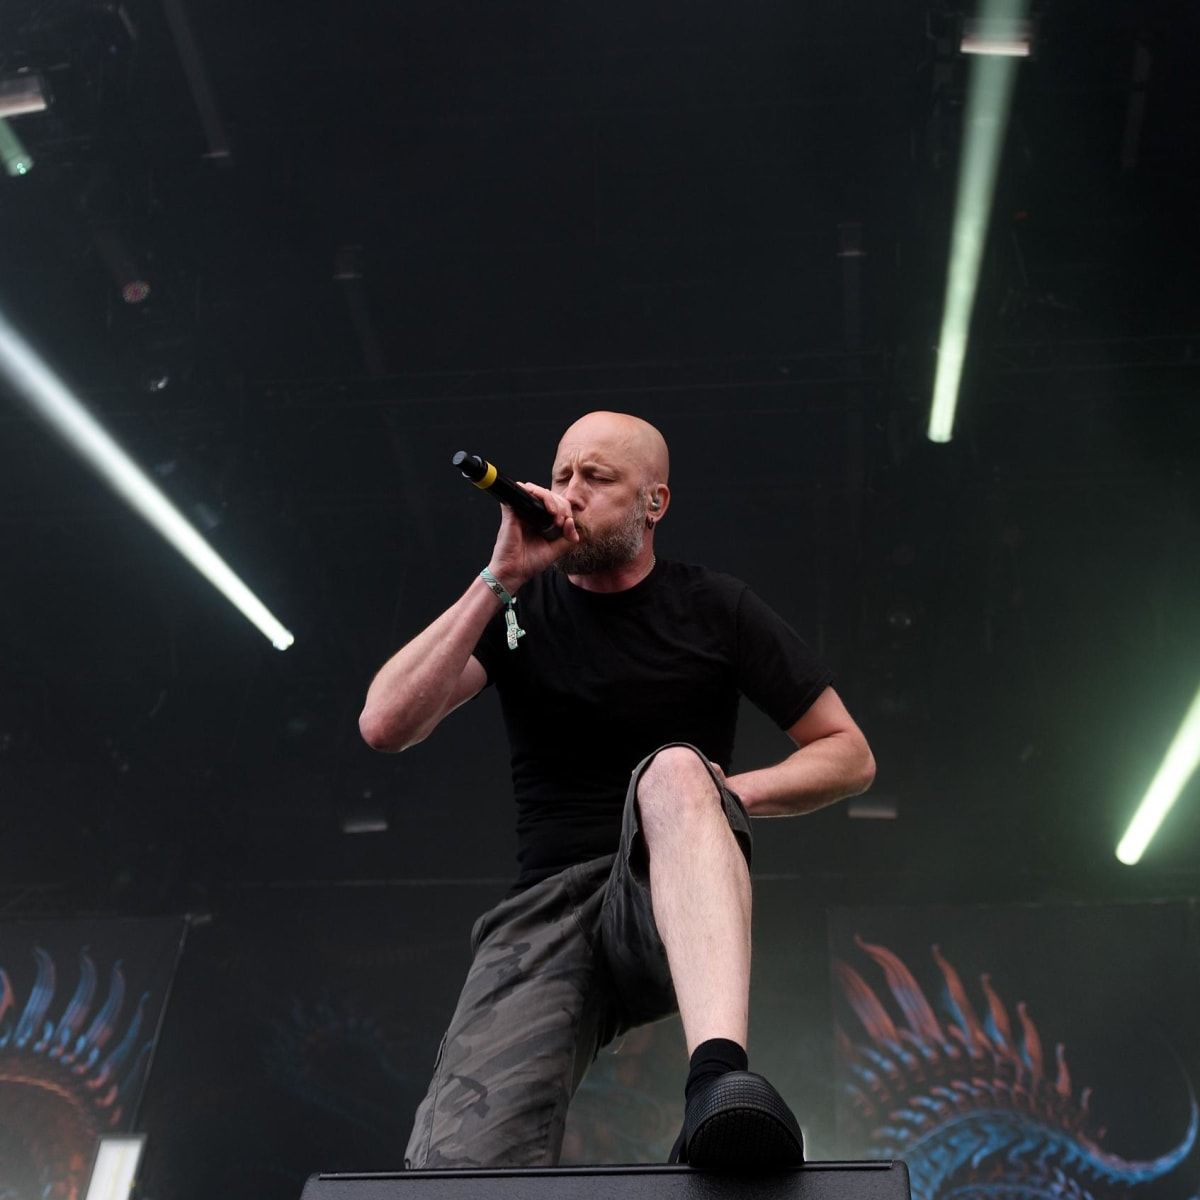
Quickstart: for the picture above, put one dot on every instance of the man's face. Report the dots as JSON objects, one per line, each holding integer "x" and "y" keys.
{"x": 598, "y": 472}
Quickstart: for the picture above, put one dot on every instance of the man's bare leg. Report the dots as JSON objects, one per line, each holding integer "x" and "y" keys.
{"x": 700, "y": 893}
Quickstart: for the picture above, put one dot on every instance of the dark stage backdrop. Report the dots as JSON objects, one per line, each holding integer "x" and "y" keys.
{"x": 301, "y": 1033}
{"x": 80, "y": 1008}
{"x": 1022, "y": 1051}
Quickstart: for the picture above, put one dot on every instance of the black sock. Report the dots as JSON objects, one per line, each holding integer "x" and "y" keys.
{"x": 711, "y": 1059}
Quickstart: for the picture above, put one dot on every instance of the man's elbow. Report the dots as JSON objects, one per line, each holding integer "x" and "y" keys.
{"x": 866, "y": 771}
{"x": 382, "y": 734}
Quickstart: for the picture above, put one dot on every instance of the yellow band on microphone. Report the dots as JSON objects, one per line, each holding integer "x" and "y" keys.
{"x": 489, "y": 477}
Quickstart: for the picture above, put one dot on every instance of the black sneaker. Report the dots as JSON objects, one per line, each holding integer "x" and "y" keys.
{"x": 739, "y": 1123}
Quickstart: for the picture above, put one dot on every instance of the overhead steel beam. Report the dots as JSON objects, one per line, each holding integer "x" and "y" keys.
{"x": 197, "y": 77}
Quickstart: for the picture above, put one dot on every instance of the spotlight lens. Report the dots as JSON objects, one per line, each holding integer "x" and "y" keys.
{"x": 135, "y": 291}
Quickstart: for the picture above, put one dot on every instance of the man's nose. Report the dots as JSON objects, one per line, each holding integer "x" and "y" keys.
{"x": 572, "y": 493}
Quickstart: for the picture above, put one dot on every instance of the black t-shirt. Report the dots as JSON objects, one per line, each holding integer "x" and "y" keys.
{"x": 602, "y": 679}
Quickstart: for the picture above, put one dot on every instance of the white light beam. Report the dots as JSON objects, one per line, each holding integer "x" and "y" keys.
{"x": 1172, "y": 777}
{"x": 989, "y": 100}
{"x": 50, "y": 400}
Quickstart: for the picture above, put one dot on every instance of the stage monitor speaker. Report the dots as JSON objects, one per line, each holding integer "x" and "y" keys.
{"x": 814, "y": 1181}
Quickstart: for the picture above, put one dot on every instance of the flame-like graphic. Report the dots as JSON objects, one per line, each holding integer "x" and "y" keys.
{"x": 65, "y": 1076}
{"x": 972, "y": 1105}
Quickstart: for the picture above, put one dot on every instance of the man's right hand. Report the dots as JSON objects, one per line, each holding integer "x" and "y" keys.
{"x": 436, "y": 671}
{"x": 521, "y": 553}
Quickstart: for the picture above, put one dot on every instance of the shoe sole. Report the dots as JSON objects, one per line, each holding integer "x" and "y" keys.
{"x": 744, "y": 1125}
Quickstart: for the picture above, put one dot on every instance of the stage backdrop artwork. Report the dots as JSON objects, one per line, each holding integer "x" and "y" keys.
{"x": 80, "y": 1007}
{"x": 1021, "y": 1052}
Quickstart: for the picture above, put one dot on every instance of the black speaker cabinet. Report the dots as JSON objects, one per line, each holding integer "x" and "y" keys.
{"x": 814, "y": 1181}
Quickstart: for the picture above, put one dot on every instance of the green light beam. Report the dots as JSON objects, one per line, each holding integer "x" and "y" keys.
{"x": 989, "y": 101}
{"x": 16, "y": 159}
{"x": 1173, "y": 775}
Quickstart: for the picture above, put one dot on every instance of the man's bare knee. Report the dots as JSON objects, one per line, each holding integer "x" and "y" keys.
{"x": 676, "y": 783}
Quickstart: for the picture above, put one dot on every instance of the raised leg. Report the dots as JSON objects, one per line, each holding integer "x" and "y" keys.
{"x": 700, "y": 894}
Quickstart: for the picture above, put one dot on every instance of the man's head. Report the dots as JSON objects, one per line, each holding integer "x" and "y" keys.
{"x": 612, "y": 469}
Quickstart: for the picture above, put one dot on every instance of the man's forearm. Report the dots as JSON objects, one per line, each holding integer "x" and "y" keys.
{"x": 828, "y": 769}
{"x": 409, "y": 695}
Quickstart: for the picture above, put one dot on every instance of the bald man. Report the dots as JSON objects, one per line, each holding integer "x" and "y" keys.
{"x": 619, "y": 676}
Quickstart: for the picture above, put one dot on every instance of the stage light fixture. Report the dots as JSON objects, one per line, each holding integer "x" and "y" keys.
{"x": 22, "y": 94}
{"x": 122, "y": 265}
{"x": 1178, "y": 767}
{"x": 115, "y": 1166}
{"x": 873, "y": 808}
{"x": 51, "y": 401}
{"x": 17, "y": 160}
{"x": 364, "y": 823}
{"x": 989, "y": 101}
{"x": 1005, "y": 37}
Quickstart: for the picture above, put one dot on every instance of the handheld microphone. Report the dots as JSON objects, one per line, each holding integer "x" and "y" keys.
{"x": 529, "y": 508}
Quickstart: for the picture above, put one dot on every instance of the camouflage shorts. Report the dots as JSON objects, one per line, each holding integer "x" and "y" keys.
{"x": 559, "y": 970}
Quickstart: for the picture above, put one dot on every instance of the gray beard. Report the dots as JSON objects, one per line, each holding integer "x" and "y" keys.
{"x": 616, "y": 548}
